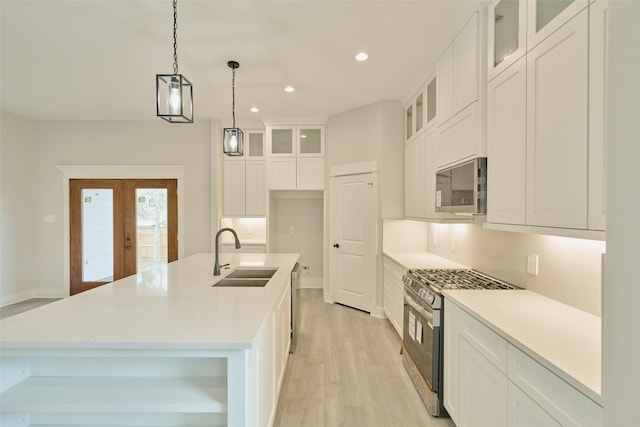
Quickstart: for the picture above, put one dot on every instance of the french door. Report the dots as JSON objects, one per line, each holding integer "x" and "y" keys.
{"x": 120, "y": 227}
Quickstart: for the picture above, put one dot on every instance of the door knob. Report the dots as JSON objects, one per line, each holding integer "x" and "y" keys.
{"x": 128, "y": 246}
{"x": 336, "y": 245}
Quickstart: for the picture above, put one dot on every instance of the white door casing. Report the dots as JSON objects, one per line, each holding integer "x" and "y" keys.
{"x": 353, "y": 239}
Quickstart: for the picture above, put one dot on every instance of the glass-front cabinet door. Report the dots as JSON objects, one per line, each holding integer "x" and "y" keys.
{"x": 419, "y": 111}
{"x": 546, "y": 16}
{"x": 255, "y": 146}
{"x": 507, "y": 32}
{"x": 310, "y": 141}
{"x": 408, "y": 120}
{"x": 280, "y": 141}
{"x": 432, "y": 101}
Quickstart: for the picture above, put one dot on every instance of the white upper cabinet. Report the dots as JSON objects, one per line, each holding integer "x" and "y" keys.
{"x": 598, "y": 59}
{"x": 546, "y": 16}
{"x": 466, "y": 52}
{"x": 295, "y": 157}
{"x": 557, "y": 114}
{"x": 244, "y": 178}
{"x": 507, "y": 145}
{"x": 507, "y": 30}
{"x": 432, "y": 101}
{"x": 414, "y": 157}
{"x": 417, "y": 115}
{"x": 458, "y": 77}
{"x": 445, "y": 85}
{"x": 462, "y": 135}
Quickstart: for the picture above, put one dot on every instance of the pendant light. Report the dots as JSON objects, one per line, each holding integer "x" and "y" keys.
{"x": 233, "y": 138}
{"x": 174, "y": 92}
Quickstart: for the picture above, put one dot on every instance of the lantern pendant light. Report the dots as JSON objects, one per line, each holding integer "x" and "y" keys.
{"x": 233, "y": 138}
{"x": 174, "y": 93}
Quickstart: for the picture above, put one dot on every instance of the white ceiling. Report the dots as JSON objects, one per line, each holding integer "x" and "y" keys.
{"x": 97, "y": 60}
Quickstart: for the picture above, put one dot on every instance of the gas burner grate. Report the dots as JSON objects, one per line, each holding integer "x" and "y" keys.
{"x": 458, "y": 279}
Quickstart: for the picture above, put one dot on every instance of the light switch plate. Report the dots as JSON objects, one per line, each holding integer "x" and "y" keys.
{"x": 532, "y": 264}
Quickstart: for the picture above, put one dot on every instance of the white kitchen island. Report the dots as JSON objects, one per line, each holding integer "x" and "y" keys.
{"x": 161, "y": 348}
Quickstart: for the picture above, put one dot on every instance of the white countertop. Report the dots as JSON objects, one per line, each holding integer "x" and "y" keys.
{"x": 562, "y": 338}
{"x": 411, "y": 260}
{"x": 173, "y": 306}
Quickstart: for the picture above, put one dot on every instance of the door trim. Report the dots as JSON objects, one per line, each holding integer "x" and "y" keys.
{"x": 113, "y": 172}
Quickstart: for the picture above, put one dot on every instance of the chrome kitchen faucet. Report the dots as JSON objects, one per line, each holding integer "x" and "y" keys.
{"x": 216, "y": 267}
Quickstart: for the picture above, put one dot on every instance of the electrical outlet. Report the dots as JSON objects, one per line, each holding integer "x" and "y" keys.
{"x": 532, "y": 264}
{"x": 291, "y": 229}
{"x": 305, "y": 269}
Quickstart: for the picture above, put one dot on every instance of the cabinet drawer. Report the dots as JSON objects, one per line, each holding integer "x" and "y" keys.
{"x": 394, "y": 269}
{"x": 487, "y": 342}
{"x": 563, "y": 402}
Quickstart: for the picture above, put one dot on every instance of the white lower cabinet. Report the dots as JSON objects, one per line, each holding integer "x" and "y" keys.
{"x": 525, "y": 412}
{"x": 282, "y": 337}
{"x": 393, "y": 299}
{"x": 482, "y": 390}
{"x": 490, "y": 382}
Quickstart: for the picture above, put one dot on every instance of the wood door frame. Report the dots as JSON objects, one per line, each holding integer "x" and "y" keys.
{"x": 114, "y": 172}
{"x": 377, "y": 307}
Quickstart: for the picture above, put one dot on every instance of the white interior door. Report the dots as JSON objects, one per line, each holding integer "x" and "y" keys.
{"x": 352, "y": 208}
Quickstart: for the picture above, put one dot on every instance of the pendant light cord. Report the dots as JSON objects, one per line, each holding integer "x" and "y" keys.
{"x": 175, "y": 37}
{"x": 233, "y": 95}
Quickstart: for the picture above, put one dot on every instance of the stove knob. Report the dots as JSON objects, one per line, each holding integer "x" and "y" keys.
{"x": 431, "y": 299}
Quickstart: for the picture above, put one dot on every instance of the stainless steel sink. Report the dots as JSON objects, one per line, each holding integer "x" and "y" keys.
{"x": 252, "y": 273}
{"x": 238, "y": 282}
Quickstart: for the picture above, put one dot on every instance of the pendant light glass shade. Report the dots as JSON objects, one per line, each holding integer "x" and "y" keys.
{"x": 233, "y": 144}
{"x": 233, "y": 138}
{"x": 174, "y": 98}
{"x": 174, "y": 93}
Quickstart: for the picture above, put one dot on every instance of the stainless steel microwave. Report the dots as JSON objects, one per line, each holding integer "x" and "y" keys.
{"x": 463, "y": 188}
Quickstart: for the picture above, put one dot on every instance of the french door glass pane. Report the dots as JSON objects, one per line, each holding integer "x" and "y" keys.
{"x": 151, "y": 228}
{"x": 97, "y": 235}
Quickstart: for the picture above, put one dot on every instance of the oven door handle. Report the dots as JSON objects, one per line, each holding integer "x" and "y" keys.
{"x": 421, "y": 307}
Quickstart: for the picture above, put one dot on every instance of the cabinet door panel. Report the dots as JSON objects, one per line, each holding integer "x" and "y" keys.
{"x": 430, "y": 167}
{"x": 310, "y": 173}
{"x": 256, "y": 188}
{"x": 507, "y": 29}
{"x": 414, "y": 176}
{"x": 282, "y": 173}
{"x": 598, "y": 60}
{"x": 459, "y": 138}
{"x": 483, "y": 390}
{"x": 557, "y": 86}
{"x": 445, "y": 85}
{"x": 234, "y": 188}
{"x": 524, "y": 412}
{"x": 507, "y": 144}
{"x": 466, "y": 53}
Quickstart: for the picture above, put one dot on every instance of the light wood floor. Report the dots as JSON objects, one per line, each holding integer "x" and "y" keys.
{"x": 347, "y": 371}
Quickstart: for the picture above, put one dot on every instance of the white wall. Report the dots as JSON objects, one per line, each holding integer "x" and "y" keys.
{"x": 569, "y": 269}
{"x": 104, "y": 143}
{"x": 404, "y": 235}
{"x": 621, "y": 288}
{"x": 17, "y": 239}
{"x": 371, "y": 133}
{"x": 305, "y": 217}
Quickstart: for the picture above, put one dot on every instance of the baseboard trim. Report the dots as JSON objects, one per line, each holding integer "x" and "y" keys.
{"x": 34, "y": 293}
{"x": 378, "y": 312}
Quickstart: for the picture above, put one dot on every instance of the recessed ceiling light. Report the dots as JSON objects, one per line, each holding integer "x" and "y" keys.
{"x": 289, "y": 89}
{"x": 361, "y": 56}
{"x": 254, "y": 109}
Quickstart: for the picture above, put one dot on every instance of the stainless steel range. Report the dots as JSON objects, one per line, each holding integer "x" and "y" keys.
{"x": 423, "y": 326}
